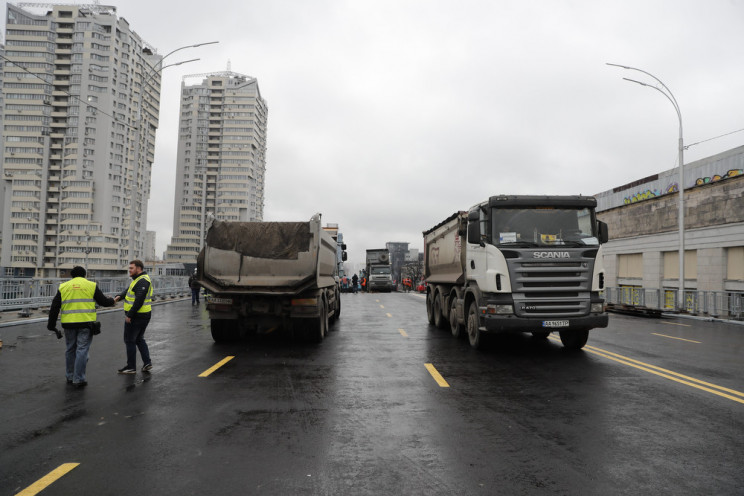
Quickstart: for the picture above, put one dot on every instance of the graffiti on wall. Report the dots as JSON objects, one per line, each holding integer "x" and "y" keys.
{"x": 673, "y": 187}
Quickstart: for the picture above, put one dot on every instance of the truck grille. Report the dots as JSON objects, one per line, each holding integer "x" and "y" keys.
{"x": 544, "y": 289}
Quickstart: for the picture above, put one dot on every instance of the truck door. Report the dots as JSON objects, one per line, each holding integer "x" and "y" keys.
{"x": 476, "y": 259}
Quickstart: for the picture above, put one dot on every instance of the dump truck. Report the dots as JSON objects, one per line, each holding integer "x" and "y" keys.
{"x": 379, "y": 270}
{"x": 263, "y": 276}
{"x": 518, "y": 264}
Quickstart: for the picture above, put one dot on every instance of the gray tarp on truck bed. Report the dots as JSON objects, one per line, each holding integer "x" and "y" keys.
{"x": 279, "y": 240}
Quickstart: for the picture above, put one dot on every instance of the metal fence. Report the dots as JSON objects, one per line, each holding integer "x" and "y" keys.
{"x": 717, "y": 304}
{"x": 24, "y": 294}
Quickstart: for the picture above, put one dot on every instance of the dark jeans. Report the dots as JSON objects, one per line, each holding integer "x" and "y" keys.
{"x": 134, "y": 339}
{"x": 194, "y": 295}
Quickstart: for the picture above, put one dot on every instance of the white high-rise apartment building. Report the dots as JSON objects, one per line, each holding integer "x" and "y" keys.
{"x": 221, "y": 158}
{"x": 79, "y": 140}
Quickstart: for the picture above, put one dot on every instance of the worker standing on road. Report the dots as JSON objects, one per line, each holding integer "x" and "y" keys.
{"x": 354, "y": 281}
{"x": 137, "y": 311}
{"x": 76, "y": 300}
{"x": 194, "y": 285}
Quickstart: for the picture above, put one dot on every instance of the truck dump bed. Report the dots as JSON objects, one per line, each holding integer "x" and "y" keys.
{"x": 267, "y": 257}
{"x": 444, "y": 255}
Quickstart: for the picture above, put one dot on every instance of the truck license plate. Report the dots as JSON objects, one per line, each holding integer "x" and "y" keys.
{"x": 555, "y": 323}
{"x": 221, "y": 301}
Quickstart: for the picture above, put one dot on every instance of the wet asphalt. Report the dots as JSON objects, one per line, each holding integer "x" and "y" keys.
{"x": 650, "y": 406}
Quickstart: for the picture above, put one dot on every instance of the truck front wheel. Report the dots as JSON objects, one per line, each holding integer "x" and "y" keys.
{"x": 474, "y": 334}
{"x": 455, "y": 327}
{"x": 574, "y": 340}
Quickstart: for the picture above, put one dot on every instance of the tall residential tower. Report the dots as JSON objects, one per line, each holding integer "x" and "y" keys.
{"x": 221, "y": 158}
{"x": 81, "y": 99}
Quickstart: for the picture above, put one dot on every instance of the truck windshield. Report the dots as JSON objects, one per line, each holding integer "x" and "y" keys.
{"x": 543, "y": 226}
{"x": 380, "y": 270}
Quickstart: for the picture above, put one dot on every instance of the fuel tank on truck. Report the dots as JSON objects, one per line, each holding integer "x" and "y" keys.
{"x": 267, "y": 257}
{"x": 444, "y": 246}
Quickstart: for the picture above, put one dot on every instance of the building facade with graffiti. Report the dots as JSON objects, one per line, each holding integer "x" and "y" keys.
{"x": 643, "y": 251}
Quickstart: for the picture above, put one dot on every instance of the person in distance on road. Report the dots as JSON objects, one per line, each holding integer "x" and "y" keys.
{"x": 76, "y": 300}
{"x": 194, "y": 285}
{"x": 137, "y": 310}
{"x": 354, "y": 281}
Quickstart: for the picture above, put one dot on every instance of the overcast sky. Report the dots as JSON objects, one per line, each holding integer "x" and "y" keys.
{"x": 388, "y": 116}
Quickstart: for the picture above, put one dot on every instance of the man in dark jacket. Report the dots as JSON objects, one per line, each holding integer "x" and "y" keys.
{"x": 76, "y": 299}
{"x": 194, "y": 285}
{"x": 137, "y": 310}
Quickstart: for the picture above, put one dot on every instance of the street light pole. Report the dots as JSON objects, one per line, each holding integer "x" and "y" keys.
{"x": 156, "y": 69}
{"x": 681, "y": 203}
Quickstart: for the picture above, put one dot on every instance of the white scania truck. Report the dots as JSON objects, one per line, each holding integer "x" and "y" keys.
{"x": 518, "y": 264}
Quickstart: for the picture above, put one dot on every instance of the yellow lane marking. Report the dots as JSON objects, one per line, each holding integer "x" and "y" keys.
{"x": 672, "y": 337}
{"x": 436, "y": 375}
{"x": 382, "y": 306}
{"x": 675, "y": 323}
{"x": 47, "y": 480}
{"x": 403, "y": 333}
{"x": 668, "y": 374}
{"x": 389, "y": 315}
{"x": 377, "y": 301}
{"x": 216, "y": 366}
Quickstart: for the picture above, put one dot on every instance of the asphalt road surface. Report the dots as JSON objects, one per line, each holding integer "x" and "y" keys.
{"x": 386, "y": 404}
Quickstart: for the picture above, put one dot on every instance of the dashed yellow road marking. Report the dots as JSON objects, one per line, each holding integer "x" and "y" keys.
{"x": 672, "y": 337}
{"x": 677, "y": 324}
{"x": 403, "y": 333}
{"x": 216, "y": 366}
{"x": 382, "y": 306}
{"x": 436, "y": 375}
{"x": 389, "y": 315}
{"x": 47, "y": 480}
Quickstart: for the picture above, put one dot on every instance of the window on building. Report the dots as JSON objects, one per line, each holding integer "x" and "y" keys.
{"x": 630, "y": 265}
{"x": 671, "y": 264}
{"x": 735, "y": 263}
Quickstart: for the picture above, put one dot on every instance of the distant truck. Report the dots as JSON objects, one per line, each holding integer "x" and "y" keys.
{"x": 264, "y": 275}
{"x": 518, "y": 264}
{"x": 379, "y": 270}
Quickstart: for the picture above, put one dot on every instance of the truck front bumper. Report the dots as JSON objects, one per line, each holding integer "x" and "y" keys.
{"x": 512, "y": 323}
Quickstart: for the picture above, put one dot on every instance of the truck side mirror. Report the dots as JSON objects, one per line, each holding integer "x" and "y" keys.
{"x": 604, "y": 235}
{"x": 474, "y": 234}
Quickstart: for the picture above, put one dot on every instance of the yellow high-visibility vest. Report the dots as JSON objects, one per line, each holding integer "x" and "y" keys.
{"x": 129, "y": 298}
{"x": 78, "y": 304}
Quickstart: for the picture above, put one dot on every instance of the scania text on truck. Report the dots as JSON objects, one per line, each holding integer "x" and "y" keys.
{"x": 518, "y": 264}
{"x": 262, "y": 276}
{"x": 379, "y": 270}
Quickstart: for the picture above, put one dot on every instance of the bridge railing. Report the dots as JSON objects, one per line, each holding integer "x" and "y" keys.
{"x": 26, "y": 294}
{"x": 717, "y": 304}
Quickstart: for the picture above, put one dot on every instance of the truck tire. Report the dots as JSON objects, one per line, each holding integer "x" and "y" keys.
{"x": 224, "y": 330}
{"x": 439, "y": 320}
{"x": 429, "y": 308}
{"x": 318, "y": 328}
{"x": 458, "y": 330}
{"x": 574, "y": 340}
{"x": 474, "y": 335}
{"x": 337, "y": 308}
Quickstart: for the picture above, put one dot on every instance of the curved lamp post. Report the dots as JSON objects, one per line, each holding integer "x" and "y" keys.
{"x": 681, "y": 219}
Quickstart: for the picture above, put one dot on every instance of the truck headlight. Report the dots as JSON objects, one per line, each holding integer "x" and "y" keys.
{"x": 597, "y": 308}
{"x": 500, "y": 309}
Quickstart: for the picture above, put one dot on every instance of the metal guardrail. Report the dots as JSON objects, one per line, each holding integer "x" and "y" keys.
{"x": 717, "y": 304}
{"x": 25, "y": 294}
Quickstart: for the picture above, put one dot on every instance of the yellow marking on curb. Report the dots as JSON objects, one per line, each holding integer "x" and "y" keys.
{"x": 47, "y": 480}
{"x": 436, "y": 375}
{"x": 389, "y": 315}
{"x": 668, "y": 374}
{"x": 675, "y": 323}
{"x": 403, "y": 333}
{"x": 216, "y": 366}
{"x": 672, "y": 337}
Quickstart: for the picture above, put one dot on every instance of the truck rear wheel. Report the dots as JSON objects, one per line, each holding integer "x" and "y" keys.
{"x": 474, "y": 334}
{"x": 439, "y": 319}
{"x": 574, "y": 340}
{"x": 456, "y": 328}
{"x": 429, "y": 308}
{"x": 224, "y": 330}
{"x": 318, "y": 328}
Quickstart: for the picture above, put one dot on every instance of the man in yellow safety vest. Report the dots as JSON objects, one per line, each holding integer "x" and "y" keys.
{"x": 137, "y": 310}
{"x": 76, "y": 301}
